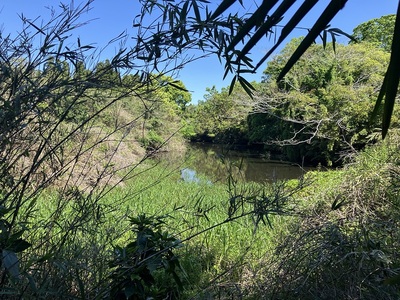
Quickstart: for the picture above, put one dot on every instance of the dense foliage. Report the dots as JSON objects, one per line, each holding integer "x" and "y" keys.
{"x": 185, "y": 25}
{"x": 221, "y": 117}
{"x": 84, "y": 213}
{"x": 320, "y": 112}
{"x": 377, "y": 31}
{"x": 323, "y": 107}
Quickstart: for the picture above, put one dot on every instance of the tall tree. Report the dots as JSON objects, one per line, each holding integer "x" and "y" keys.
{"x": 191, "y": 24}
{"x": 377, "y": 31}
{"x": 324, "y": 103}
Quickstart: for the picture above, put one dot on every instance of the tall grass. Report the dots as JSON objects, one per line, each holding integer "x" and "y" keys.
{"x": 344, "y": 244}
{"x": 216, "y": 252}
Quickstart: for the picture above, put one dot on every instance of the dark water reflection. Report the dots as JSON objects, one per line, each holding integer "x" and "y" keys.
{"x": 216, "y": 162}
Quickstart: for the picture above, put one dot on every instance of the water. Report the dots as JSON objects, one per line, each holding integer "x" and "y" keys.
{"x": 215, "y": 163}
{"x": 190, "y": 175}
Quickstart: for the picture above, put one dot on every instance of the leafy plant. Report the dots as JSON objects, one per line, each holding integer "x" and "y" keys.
{"x": 144, "y": 267}
{"x": 186, "y": 25}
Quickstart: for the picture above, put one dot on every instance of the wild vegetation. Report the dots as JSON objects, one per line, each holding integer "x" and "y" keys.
{"x": 320, "y": 113}
{"x": 90, "y": 210}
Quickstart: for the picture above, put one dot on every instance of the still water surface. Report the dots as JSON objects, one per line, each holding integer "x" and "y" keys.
{"x": 214, "y": 163}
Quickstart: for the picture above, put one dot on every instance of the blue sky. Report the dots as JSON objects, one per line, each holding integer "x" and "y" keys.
{"x": 109, "y": 18}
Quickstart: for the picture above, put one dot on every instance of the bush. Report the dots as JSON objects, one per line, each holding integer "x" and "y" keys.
{"x": 345, "y": 243}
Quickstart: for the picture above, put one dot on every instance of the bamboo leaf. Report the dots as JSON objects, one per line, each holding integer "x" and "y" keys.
{"x": 256, "y": 18}
{"x": 232, "y": 85}
{"x": 288, "y": 28}
{"x": 177, "y": 86}
{"x": 324, "y": 38}
{"x": 246, "y": 86}
{"x": 333, "y": 37}
{"x": 327, "y": 15}
{"x": 392, "y": 77}
{"x": 274, "y": 19}
{"x": 341, "y": 32}
{"x": 196, "y": 11}
{"x": 379, "y": 99}
{"x": 222, "y": 7}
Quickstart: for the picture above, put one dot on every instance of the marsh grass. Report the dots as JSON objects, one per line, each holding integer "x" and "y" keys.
{"x": 331, "y": 226}
{"x": 216, "y": 252}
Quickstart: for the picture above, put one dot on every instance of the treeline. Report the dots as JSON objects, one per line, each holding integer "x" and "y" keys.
{"x": 156, "y": 101}
{"x": 320, "y": 112}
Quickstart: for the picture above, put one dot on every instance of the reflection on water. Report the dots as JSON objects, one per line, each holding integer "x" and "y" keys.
{"x": 190, "y": 175}
{"x": 215, "y": 162}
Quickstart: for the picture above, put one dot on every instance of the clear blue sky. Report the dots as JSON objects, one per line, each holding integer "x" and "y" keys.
{"x": 110, "y": 18}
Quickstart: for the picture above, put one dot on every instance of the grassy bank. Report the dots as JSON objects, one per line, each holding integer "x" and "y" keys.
{"x": 335, "y": 234}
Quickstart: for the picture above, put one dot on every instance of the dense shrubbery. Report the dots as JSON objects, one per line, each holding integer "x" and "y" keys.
{"x": 73, "y": 180}
{"x": 320, "y": 113}
{"x": 344, "y": 244}
{"x": 69, "y": 136}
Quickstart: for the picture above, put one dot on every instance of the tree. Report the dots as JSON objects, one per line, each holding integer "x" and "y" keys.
{"x": 222, "y": 116}
{"x": 182, "y": 26}
{"x": 49, "y": 153}
{"x": 324, "y": 103}
{"x": 377, "y": 31}
{"x": 175, "y": 92}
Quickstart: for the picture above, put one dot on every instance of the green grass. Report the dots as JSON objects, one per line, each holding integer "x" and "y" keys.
{"x": 209, "y": 256}
{"x": 218, "y": 256}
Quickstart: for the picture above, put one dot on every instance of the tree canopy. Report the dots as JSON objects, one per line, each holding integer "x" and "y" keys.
{"x": 320, "y": 112}
{"x": 378, "y": 31}
{"x": 191, "y": 24}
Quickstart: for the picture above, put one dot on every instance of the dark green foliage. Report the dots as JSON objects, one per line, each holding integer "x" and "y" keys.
{"x": 320, "y": 113}
{"x": 222, "y": 117}
{"x": 147, "y": 266}
{"x": 322, "y": 107}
